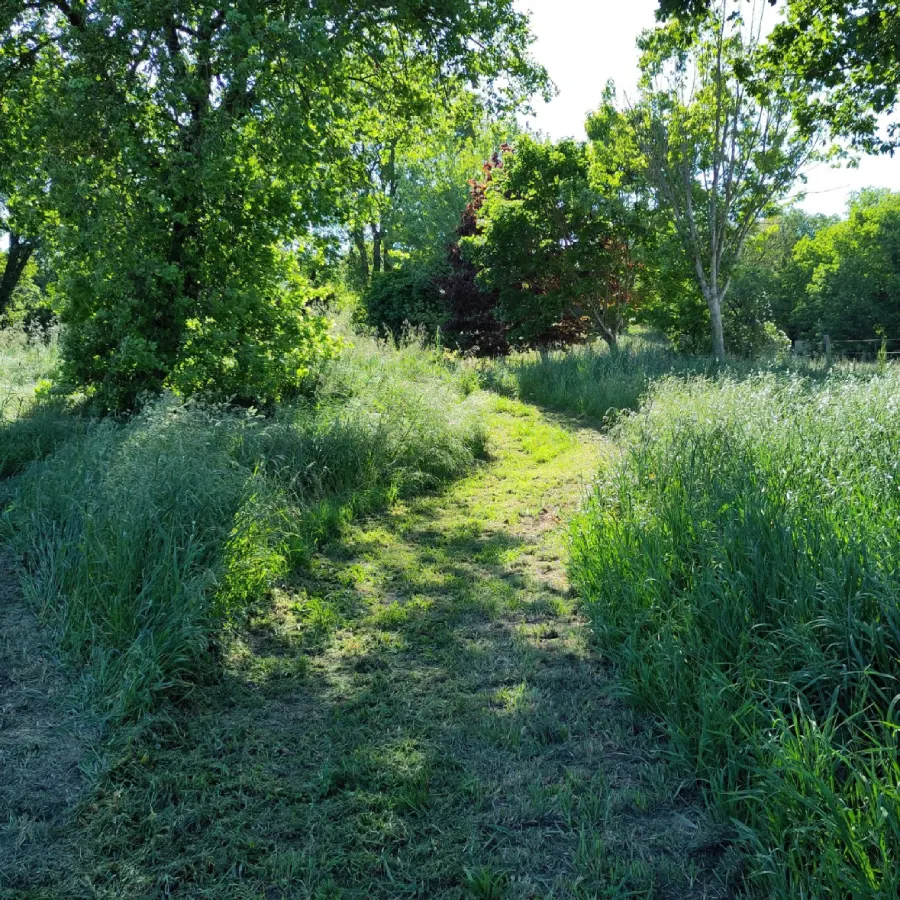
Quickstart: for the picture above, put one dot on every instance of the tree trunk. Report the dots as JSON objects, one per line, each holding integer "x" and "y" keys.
{"x": 359, "y": 240}
{"x": 714, "y": 302}
{"x": 16, "y": 259}
{"x": 376, "y": 248}
{"x": 608, "y": 334}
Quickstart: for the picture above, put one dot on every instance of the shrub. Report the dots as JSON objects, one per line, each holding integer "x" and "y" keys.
{"x": 406, "y": 296}
{"x": 130, "y": 336}
{"x": 739, "y": 565}
{"x": 142, "y": 539}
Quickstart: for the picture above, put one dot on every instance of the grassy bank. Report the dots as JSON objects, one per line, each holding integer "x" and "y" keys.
{"x": 143, "y": 540}
{"x": 740, "y": 566}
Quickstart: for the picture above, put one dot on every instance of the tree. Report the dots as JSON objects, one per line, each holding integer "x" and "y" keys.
{"x": 717, "y": 155}
{"x": 186, "y": 145}
{"x": 16, "y": 259}
{"x": 547, "y": 246}
{"x": 770, "y": 283}
{"x": 852, "y": 273}
{"x": 19, "y": 91}
{"x": 411, "y": 177}
{"x": 473, "y": 324}
{"x": 844, "y": 56}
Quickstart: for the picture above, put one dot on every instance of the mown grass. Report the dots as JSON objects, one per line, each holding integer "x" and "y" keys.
{"x": 142, "y": 540}
{"x": 418, "y": 713}
{"x": 740, "y": 566}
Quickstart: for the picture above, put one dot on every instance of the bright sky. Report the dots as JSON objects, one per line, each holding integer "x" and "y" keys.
{"x": 583, "y": 43}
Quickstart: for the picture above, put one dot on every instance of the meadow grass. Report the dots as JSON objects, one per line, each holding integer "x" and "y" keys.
{"x": 596, "y": 383}
{"x": 143, "y": 539}
{"x": 417, "y": 713}
{"x": 740, "y": 566}
{"x": 590, "y": 381}
{"x": 30, "y": 429}
{"x": 25, "y": 361}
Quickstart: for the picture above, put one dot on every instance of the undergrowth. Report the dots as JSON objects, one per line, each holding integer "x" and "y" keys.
{"x": 740, "y": 566}
{"x": 143, "y": 540}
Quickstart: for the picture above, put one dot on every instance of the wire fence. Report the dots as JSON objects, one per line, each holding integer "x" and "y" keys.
{"x": 860, "y": 348}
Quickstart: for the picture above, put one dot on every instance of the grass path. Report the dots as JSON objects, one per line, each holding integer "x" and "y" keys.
{"x": 420, "y": 716}
{"x": 42, "y": 741}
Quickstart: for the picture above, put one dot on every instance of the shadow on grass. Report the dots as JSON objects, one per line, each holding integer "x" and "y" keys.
{"x": 419, "y": 716}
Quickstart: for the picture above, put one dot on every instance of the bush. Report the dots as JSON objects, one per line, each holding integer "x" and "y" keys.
{"x": 131, "y": 332}
{"x": 142, "y": 539}
{"x": 404, "y": 297}
{"x": 739, "y": 565}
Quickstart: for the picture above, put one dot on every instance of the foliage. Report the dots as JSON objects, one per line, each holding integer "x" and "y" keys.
{"x": 739, "y": 567}
{"x": 717, "y": 155}
{"x": 545, "y": 244}
{"x": 144, "y": 539}
{"x": 407, "y": 296}
{"x": 845, "y": 56}
{"x": 179, "y": 148}
{"x": 770, "y": 282}
{"x": 433, "y": 181}
{"x": 409, "y": 175}
{"x": 252, "y": 345}
{"x": 30, "y": 305}
{"x": 473, "y": 323}
{"x": 852, "y": 273}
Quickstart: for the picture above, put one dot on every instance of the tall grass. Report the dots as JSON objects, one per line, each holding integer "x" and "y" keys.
{"x": 141, "y": 540}
{"x": 590, "y": 381}
{"x": 26, "y": 362}
{"x": 595, "y": 382}
{"x": 740, "y": 565}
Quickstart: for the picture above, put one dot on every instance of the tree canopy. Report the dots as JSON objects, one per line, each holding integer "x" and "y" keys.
{"x": 717, "y": 155}
{"x": 182, "y": 147}
{"x": 843, "y": 58}
{"x": 548, "y": 244}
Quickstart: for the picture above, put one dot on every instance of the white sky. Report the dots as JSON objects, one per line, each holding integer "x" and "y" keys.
{"x": 583, "y": 43}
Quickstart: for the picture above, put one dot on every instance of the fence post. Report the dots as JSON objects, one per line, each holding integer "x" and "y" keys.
{"x": 826, "y": 339}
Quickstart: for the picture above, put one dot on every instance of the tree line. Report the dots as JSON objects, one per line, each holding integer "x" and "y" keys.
{"x": 187, "y": 185}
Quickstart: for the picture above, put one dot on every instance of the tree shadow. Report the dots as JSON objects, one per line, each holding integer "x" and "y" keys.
{"x": 421, "y": 704}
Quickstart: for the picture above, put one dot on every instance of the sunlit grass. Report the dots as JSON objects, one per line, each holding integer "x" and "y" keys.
{"x": 25, "y": 361}
{"x": 740, "y": 566}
